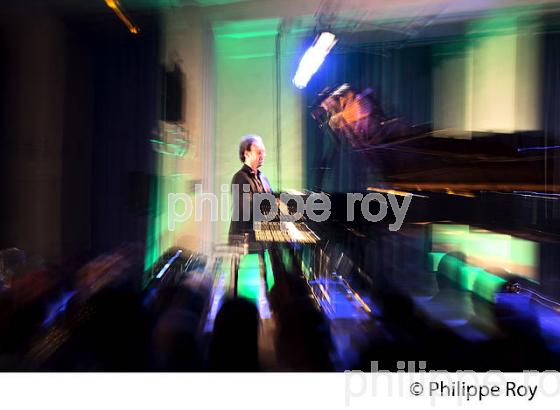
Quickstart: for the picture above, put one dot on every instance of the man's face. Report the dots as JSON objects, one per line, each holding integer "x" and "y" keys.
{"x": 255, "y": 156}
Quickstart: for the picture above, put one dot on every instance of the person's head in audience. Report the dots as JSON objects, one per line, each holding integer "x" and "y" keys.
{"x": 234, "y": 344}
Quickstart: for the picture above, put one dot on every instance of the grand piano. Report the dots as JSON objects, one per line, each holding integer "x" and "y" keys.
{"x": 470, "y": 281}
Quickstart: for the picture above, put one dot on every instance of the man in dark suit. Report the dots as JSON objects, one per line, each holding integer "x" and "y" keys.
{"x": 248, "y": 180}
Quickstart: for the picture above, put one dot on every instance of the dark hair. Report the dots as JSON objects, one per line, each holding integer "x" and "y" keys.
{"x": 245, "y": 144}
{"x": 234, "y": 343}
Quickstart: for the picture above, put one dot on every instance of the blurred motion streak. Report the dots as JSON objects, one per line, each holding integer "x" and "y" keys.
{"x": 116, "y": 7}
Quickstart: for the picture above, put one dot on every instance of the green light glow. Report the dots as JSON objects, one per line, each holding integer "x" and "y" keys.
{"x": 488, "y": 80}
{"x": 246, "y": 103}
{"x": 472, "y": 278}
{"x": 159, "y": 238}
{"x": 485, "y": 284}
{"x": 242, "y": 36}
{"x": 487, "y": 249}
{"x": 269, "y": 273}
{"x": 249, "y": 56}
{"x": 152, "y": 236}
{"x": 434, "y": 259}
{"x": 249, "y": 276}
{"x": 242, "y": 29}
{"x": 241, "y": 79}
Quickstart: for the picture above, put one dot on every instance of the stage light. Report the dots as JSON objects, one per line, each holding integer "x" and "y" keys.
{"x": 313, "y": 58}
{"x": 116, "y": 7}
{"x": 168, "y": 264}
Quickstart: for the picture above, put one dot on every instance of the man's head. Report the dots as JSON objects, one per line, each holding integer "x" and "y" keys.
{"x": 252, "y": 151}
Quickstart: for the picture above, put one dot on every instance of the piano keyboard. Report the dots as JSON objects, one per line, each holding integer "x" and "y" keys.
{"x": 284, "y": 232}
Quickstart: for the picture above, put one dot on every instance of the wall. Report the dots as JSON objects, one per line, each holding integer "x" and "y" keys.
{"x": 238, "y": 82}
{"x": 31, "y": 135}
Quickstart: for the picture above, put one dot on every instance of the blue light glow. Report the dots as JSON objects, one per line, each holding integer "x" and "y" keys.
{"x": 168, "y": 264}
